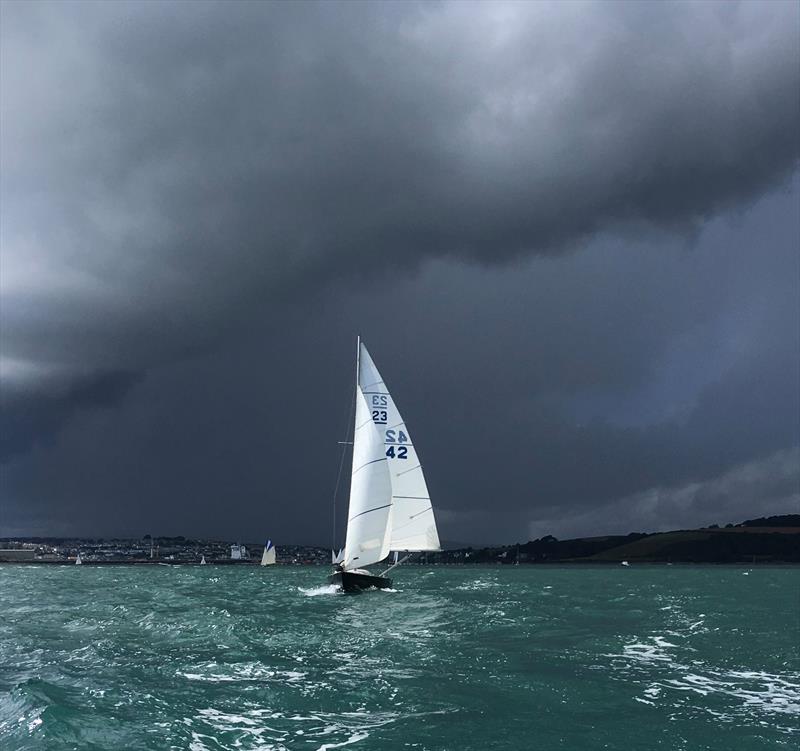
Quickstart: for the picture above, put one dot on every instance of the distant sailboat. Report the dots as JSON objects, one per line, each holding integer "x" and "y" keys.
{"x": 390, "y": 508}
{"x": 78, "y": 560}
{"x": 268, "y": 556}
{"x": 202, "y": 560}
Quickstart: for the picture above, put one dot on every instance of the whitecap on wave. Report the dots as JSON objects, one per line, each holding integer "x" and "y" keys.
{"x": 267, "y": 729}
{"x": 477, "y": 584}
{"x": 355, "y": 738}
{"x": 325, "y": 589}
{"x": 756, "y": 691}
{"x": 214, "y": 672}
{"x": 689, "y": 681}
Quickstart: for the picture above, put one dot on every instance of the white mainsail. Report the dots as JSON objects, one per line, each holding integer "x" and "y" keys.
{"x": 390, "y": 507}
{"x": 268, "y": 556}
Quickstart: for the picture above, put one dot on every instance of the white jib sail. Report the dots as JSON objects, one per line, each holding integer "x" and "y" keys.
{"x": 412, "y": 523}
{"x": 268, "y": 556}
{"x": 390, "y": 507}
{"x": 370, "y": 493}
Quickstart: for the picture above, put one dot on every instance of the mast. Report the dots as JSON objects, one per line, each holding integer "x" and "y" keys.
{"x": 355, "y": 425}
{"x": 344, "y": 445}
{"x": 358, "y": 357}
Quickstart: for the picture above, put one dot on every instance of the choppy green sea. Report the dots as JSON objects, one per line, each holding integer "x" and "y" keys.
{"x": 540, "y": 657}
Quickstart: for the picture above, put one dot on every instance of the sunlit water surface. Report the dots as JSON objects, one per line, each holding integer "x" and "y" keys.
{"x": 541, "y": 657}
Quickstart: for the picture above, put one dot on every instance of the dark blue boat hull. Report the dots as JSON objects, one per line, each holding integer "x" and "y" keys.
{"x": 349, "y": 581}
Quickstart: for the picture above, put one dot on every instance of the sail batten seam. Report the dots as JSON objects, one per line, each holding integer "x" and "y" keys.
{"x": 369, "y": 510}
{"x": 406, "y": 471}
{"x": 382, "y": 459}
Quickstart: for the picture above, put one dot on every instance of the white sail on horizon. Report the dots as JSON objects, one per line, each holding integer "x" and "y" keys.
{"x": 390, "y": 507}
{"x": 268, "y": 556}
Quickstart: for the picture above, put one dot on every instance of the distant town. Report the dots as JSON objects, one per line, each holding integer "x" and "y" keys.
{"x": 147, "y": 550}
{"x": 774, "y": 539}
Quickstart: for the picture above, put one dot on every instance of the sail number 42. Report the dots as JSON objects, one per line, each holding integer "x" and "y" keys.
{"x": 396, "y": 437}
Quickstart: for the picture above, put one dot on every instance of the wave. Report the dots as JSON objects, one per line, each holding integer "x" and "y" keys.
{"x": 723, "y": 693}
{"x": 325, "y": 589}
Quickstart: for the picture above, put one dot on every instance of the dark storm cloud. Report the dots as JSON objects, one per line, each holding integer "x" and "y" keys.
{"x": 234, "y": 189}
{"x": 171, "y": 167}
{"x": 31, "y": 416}
{"x": 688, "y": 360}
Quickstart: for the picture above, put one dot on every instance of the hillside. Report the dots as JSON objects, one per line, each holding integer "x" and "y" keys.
{"x": 773, "y": 539}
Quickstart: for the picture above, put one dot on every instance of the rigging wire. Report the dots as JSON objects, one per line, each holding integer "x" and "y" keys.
{"x": 345, "y": 444}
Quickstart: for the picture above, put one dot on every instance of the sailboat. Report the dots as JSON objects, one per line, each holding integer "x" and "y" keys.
{"x": 268, "y": 556}
{"x": 390, "y": 507}
{"x": 78, "y": 560}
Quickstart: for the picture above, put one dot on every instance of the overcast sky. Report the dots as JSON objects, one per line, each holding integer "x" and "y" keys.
{"x": 568, "y": 232}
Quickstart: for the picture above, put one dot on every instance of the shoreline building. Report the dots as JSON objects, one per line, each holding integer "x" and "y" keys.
{"x": 238, "y": 553}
